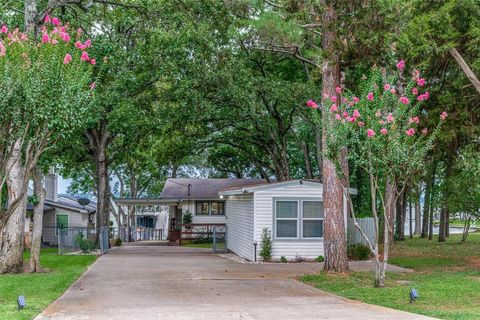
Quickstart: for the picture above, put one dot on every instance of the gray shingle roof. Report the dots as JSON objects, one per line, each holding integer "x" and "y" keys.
{"x": 203, "y": 188}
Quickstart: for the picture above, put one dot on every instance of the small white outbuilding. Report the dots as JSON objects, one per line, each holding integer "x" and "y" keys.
{"x": 292, "y": 211}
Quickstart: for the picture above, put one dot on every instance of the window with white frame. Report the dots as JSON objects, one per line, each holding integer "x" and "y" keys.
{"x": 298, "y": 219}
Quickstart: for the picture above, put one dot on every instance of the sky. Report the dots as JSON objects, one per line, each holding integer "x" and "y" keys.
{"x": 63, "y": 185}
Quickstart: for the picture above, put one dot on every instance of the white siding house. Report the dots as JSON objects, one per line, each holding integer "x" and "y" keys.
{"x": 292, "y": 211}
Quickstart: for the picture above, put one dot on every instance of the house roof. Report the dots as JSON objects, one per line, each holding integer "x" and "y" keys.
{"x": 185, "y": 188}
{"x": 70, "y": 206}
{"x": 266, "y": 186}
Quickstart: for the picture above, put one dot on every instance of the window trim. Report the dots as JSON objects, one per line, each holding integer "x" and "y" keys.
{"x": 210, "y": 208}
{"x": 299, "y": 219}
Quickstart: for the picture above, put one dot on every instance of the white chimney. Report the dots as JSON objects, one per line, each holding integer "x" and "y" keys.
{"x": 51, "y": 185}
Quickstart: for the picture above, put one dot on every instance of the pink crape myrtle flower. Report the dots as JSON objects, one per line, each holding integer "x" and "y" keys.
{"x": 393, "y": 91}
{"x": 338, "y": 117}
{"x": 55, "y": 22}
{"x": 338, "y": 90}
{"x": 404, "y": 100}
{"x": 410, "y": 132}
{"x": 349, "y": 119}
{"x": 361, "y": 123}
{"x": 4, "y": 29}
{"x": 386, "y": 87}
{"x": 421, "y": 82}
{"x": 378, "y": 113}
{"x": 414, "y": 120}
{"x": 47, "y": 19}
{"x": 356, "y": 99}
{"x": 80, "y": 46}
{"x": 345, "y": 100}
{"x": 65, "y": 36}
{"x": 382, "y": 122}
{"x": 84, "y": 56}
{"x": 424, "y": 131}
{"x": 333, "y": 108}
{"x": 390, "y": 118}
{"x": 67, "y": 59}
{"x": 370, "y": 96}
{"x": 88, "y": 43}
{"x": 54, "y": 41}
{"x": 414, "y": 91}
{"x": 384, "y": 131}
{"x": 401, "y": 65}
{"x": 333, "y": 98}
{"x": 356, "y": 113}
{"x": 94, "y": 62}
{"x": 93, "y": 85}
{"x": 370, "y": 133}
{"x": 345, "y": 114}
{"x": 424, "y": 96}
{"x": 443, "y": 115}
{"x": 310, "y": 103}
{"x": 45, "y": 38}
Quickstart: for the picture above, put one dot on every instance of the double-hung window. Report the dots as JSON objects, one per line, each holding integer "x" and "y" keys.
{"x": 210, "y": 208}
{"x": 298, "y": 219}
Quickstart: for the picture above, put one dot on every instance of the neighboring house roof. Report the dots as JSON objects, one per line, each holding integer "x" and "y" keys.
{"x": 185, "y": 188}
{"x": 45, "y": 208}
{"x": 70, "y": 206}
{"x": 91, "y": 207}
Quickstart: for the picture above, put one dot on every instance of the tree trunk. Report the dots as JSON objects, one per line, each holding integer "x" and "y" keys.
{"x": 308, "y": 162}
{"x": 418, "y": 223}
{"x": 428, "y": 197}
{"x": 430, "y": 224}
{"x": 389, "y": 216}
{"x": 39, "y": 192}
{"x": 98, "y": 141}
{"x": 400, "y": 217}
{"x": 442, "y": 231}
{"x": 466, "y": 69}
{"x": 30, "y": 16}
{"x": 410, "y": 220}
{"x": 335, "y": 243}
{"x": 13, "y": 227}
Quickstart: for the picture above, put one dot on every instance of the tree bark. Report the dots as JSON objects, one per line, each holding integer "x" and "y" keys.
{"x": 335, "y": 243}
{"x": 12, "y": 229}
{"x": 308, "y": 162}
{"x": 428, "y": 197}
{"x": 418, "y": 218}
{"x": 465, "y": 68}
{"x": 98, "y": 141}
{"x": 410, "y": 220}
{"x": 442, "y": 231}
{"x": 39, "y": 192}
{"x": 30, "y": 16}
{"x": 390, "y": 194}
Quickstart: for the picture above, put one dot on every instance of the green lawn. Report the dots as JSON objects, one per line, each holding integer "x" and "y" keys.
{"x": 42, "y": 288}
{"x": 447, "y": 277}
{"x": 198, "y": 245}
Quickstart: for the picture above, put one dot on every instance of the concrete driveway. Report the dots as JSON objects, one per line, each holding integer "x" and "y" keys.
{"x": 160, "y": 282}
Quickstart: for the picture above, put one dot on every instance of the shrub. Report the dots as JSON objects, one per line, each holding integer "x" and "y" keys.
{"x": 118, "y": 242}
{"x": 266, "y": 246}
{"x": 85, "y": 245}
{"x": 359, "y": 252}
{"x": 187, "y": 219}
{"x": 283, "y": 259}
{"x": 319, "y": 259}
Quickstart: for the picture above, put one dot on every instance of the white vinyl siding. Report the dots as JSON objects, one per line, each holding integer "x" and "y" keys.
{"x": 264, "y": 218}
{"x": 240, "y": 225}
{"x": 189, "y": 206}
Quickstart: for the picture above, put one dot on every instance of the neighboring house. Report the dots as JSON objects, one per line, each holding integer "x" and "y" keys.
{"x": 61, "y": 211}
{"x": 292, "y": 211}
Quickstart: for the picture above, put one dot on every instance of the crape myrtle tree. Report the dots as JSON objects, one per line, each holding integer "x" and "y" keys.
{"x": 382, "y": 129}
{"x": 44, "y": 96}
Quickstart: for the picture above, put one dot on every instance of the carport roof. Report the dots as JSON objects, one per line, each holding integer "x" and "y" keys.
{"x": 203, "y": 188}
